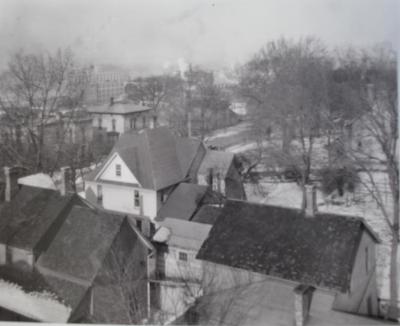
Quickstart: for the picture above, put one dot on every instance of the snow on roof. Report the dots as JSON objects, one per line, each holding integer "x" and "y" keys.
{"x": 185, "y": 234}
{"x": 38, "y": 306}
{"x": 38, "y": 180}
{"x": 162, "y": 235}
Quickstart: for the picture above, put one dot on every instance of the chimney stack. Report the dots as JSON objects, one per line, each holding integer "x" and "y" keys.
{"x": 302, "y": 302}
{"x": 311, "y": 200}
{"x": 7, "y": 176}
{"x": 65, "y": 180}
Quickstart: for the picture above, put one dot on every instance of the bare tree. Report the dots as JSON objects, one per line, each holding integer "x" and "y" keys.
{"x": 33, "y": 90}
{"x": 371, "y": 141}
{"x": 287, "y": 83}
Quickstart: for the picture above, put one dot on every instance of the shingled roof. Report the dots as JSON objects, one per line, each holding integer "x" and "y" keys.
{"x": 183, "y": 201}
{"x": 25, "y": 220}
{"x": 282, "y": 242}
{"x": 76, "y": 255}
{"x": 151, "y": 156}
{"x": 207, "y": 214}
{"x": 79, "y": 248}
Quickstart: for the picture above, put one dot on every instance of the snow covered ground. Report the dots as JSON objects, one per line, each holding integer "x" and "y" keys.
{"x": 289, "y": 194}
{"x": 38, "y": 306}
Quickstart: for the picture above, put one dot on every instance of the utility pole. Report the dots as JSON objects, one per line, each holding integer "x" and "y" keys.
{"x": 189, "y": 101}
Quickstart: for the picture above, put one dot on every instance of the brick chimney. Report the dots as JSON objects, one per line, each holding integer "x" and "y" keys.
{"x": 11, "y": 175}
{"x": 65, "y": 180}
{"x": 302, "y": 302}
{"x": 311, "y": 200}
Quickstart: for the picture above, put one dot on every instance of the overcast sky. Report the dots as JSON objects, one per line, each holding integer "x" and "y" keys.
{"x": 212, "y": 33}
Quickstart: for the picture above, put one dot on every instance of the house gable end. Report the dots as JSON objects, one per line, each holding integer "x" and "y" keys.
{"x": 111, "y": 171}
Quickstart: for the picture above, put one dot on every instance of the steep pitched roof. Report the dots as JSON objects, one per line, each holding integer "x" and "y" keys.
{"x": 282, "y": 242}
{"x": 183, "y": 201}
{"x": 81, "y": 245}
{"x": 151, "y": 156}
{"x": 186, "y": 149}
{"x": 25, "y": 220}
{"x": 218, "y": 161}
{"x": 207, "y": 214}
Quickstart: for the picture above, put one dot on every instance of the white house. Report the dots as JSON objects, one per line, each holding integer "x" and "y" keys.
{"x": 140, "y": 172}
{"x": 180, "y": 274}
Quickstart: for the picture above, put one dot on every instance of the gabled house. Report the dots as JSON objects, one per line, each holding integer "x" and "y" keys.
{"x": 63, "y": 260}
{"x": 144, "y": 168}
{"x": 138, "y": 175}
{"x": 290, "y": 266}
{"x": 98, "y": 265}
{"x": 121, "y": 115}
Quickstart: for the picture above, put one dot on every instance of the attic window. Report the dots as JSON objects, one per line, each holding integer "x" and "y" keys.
{"x": 118, "y": 170}
{"x": 183, "y": 256}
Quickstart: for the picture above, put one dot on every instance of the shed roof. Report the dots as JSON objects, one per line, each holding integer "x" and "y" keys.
{"x": 183, "y": 234}
{"x": 207, "y": 214}
{"x": 282, "y": 242}
{"x": 183, "y": 201}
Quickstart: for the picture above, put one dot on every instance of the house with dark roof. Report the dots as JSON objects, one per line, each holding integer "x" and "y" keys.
{"x": 314, "y": 266}
{"x": 143, "y": 169}
{"x": 63, "y": 260}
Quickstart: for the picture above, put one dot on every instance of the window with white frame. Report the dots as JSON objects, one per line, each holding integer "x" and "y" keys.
{"x": 118, "y": 170}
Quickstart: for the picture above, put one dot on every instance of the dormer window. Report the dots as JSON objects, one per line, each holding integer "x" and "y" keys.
{"x": 118, "y": 170}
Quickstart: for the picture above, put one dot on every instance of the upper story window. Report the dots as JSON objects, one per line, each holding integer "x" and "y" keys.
{"x": 118, "y": 170}
{"x": 99, "y": 194}
{"x": 183, "y": 256}
{"x": 100, "y": 122}
{"x": 366, "y": 260}
{"x": 144, "y": 122}
{"x": 137, "y": 198}
{"x": 114, "y": 124}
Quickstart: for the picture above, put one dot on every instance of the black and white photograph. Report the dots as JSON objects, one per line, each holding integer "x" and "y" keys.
{"x": 199, "y": 162}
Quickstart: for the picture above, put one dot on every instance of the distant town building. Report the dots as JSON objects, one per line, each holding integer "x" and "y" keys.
{"x": 121, "y": 115}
